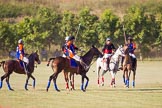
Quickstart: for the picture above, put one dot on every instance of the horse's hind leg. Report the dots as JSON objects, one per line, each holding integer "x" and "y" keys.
{"x": 49, "y": 82}
{"x": 33, "y": 81}
{"x": 27, "y": 79}
{"x": 2, "y": 78}
{"x": 54, "y": 81}
{"x": 8, "y": 84}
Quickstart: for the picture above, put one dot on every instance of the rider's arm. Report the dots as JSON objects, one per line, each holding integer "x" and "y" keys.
{"x": 134, "y": 46}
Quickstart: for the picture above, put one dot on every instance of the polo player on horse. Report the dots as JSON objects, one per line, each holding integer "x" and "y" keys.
{"x": 131, "y": 48}
{"x": 20, "y": 55}
{"x": 108, "y": 50}
{"x": 69, "y": 51}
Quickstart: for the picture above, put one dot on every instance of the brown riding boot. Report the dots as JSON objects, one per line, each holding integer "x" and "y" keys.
{"x": 84, "y": 65}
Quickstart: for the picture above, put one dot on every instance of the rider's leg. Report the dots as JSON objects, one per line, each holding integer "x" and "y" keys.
{"x": 121, "y": 64}
{"x": 25, "y": 67}
{"x": 84, "y": 65}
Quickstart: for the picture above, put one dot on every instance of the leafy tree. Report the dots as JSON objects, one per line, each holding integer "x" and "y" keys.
{"x": 68, "y": 25}
{"x": 88, "y": 33}
{"x": 109, "y": 26}
{"x": 7, "y": 37}
{"x": 141, "y": 27}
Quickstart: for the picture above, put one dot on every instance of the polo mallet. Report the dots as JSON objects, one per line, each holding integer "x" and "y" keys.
{"x": 125, "y": 39}
{"x": 77, "y": 31}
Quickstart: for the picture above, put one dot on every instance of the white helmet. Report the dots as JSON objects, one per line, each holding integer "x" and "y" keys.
{"x": 67, "y": 38}
{"x": 108, "y": 39}
{"x": 20, "y": 41}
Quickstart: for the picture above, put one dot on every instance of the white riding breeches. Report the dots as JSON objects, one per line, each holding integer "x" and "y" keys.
{"x": 132, "y": 55}
{"x": 26, "y": 60}
{"x": 64, "y": 55}
{"x": 107, "y": 55}
{"x": 76, "y": 57}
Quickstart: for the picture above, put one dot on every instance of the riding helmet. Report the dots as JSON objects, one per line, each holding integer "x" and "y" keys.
{"x": 71, "y": 38}
{"x": 130, "y": 38}
{"x": 108, "y": 39}
{"x": 20, "y": 41}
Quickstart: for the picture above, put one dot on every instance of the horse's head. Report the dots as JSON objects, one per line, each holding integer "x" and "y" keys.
{"x": 120, "y": 51}
{"x": 96, "y": 52}
{"x": 36, "y": 56}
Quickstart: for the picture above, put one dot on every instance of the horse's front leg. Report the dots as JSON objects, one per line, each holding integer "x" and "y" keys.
{"x": 112, "y": 84}
{"x": 124, "y": 78}
{"x": 86, "y": 85}
{"x": 27, "y": 79}
{"x": 82, "y": 85}
{"x": 98, "y": 76}
{"x": 134, "y": 74}
{"x": 34, "y": 81}
{"x": 127, "y": 78}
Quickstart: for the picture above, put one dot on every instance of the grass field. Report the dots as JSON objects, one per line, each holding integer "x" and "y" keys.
{"x": 147, "y": 94}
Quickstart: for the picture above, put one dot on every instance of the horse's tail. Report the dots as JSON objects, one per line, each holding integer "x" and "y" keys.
{"x": 2, "y": 63}
{"x": 50, "y": 61}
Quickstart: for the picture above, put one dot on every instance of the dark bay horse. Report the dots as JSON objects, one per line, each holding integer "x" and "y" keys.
{"x": 128, "y": 66}
{"x": 60, "y": 64}
{"x": 11, "y": 66}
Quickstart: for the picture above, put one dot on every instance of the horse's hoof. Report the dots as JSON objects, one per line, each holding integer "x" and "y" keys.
{"x": 26, "y": 89}
{"x": 102, "y": 84}
{"x": 58, "y": 90}
{"x": 11, "y": 89}
{"x": 84, "y": 90}
{"x": 47, "y": 89}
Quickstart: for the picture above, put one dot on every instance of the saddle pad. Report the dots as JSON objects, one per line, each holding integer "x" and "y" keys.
{"x": 73, "y": 63}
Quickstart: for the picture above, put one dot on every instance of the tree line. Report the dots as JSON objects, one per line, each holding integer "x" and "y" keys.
{"x": 47, "y": 27}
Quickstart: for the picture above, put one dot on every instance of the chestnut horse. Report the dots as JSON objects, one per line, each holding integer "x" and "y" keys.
{"x": 11, "y": 66}
{"x": 128, "y": 66}
{"x": 60, "y": 64}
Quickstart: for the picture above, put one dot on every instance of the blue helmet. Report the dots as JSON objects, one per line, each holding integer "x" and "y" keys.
{"x": 71, "y": 38}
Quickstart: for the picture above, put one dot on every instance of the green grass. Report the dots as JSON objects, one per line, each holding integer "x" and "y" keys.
{"x": 147, "y": 94}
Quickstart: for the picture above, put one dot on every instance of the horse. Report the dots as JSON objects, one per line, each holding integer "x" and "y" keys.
{"x": 128, "y": 66}
{"x": 114, "y": 64}
{"x": 60, "y": 64}
{"x": 101, "y": 64}
{"x": 11, "y": 66}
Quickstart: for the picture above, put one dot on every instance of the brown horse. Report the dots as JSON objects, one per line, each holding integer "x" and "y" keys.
{"x": 128, "y": 66}
{"x": 11, "y": 66}
{"x": 60, "y": 64}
